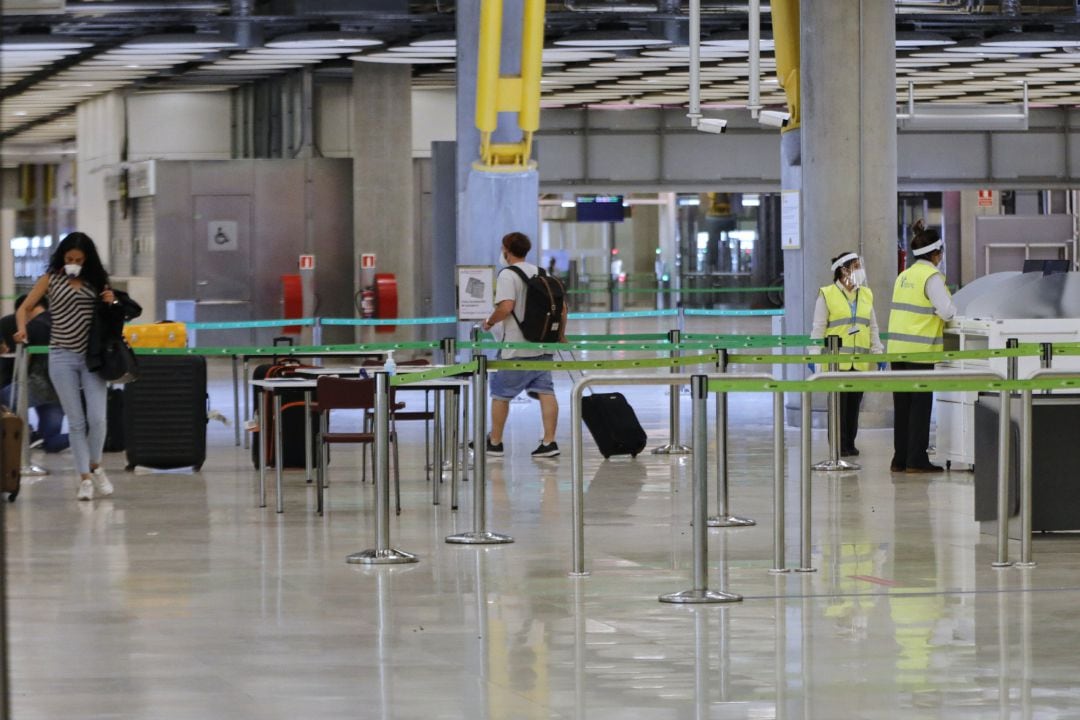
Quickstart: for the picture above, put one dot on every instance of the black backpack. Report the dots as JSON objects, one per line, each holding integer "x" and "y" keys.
{"x": 544, "y": 299}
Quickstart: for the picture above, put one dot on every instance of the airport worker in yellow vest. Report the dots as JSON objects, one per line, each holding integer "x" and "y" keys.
{"x": 846, "y": 309}
{"x": 921, "y": 304}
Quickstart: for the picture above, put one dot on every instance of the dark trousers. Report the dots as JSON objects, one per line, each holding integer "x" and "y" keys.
{"x": 911, "y": 423}
{"x": 849, "y": 419}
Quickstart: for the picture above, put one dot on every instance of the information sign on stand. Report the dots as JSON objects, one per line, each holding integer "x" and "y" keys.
{"x": 790, "y": 230}
{"x": 475, "y": 291}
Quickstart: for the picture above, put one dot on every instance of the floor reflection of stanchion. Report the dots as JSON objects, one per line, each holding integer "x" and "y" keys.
{"x": 779, "y": 541}
{"x": 22, "y": 408}
{"x": 382, "y": 553}
{"x": 383, "y": 603}
{"x": 701, "y": 664}
{"x": 1027, "y": 668}
{"x": 780, "y": 651}
{"x": 479, "y": 534}
{"x": 834, "y": 463}
{"x": 724, "y": 516}
{"x": 482, "y": 710}
{"x": 807, "y": 657}
{"x": 673, "y": 446}
{"x": 580, "y": 626}
{"x": 700, "y": 593}
{"x": 806, "y": 436}
{"x": 1003, "y": 647}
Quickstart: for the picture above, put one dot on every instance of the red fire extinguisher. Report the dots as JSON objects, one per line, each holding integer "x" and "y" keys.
{"x": 901, "y": 259}
{"x": 367, "y": 302}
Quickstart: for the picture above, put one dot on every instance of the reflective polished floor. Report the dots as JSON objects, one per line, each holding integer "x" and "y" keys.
{"x": 179, "y": 598}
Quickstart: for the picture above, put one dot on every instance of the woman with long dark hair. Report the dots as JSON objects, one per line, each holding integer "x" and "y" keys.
{"x": 75, "y": 284}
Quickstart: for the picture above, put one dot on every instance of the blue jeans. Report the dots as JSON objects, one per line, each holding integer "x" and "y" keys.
{"x": 50, "y": 422}
{"x": 73, "y": 383}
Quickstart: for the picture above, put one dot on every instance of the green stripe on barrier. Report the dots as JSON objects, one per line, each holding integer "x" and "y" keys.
{"x": 736, "y": 384}
{"x": 433, "y": 374}
{"x": 622, "y": 315}
{"x": 617, "y": 338}
{"x": 250, "y": 324}
{"x": 923, "y": 357}
{"x": 691, "y": 312}
{"x": 374, "y": 322}
{"x": 603, "y": 364}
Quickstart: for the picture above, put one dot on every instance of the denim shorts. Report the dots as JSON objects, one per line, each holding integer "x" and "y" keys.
{"x": 508, "y": 384}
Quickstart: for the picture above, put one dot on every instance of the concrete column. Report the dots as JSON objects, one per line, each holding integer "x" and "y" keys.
{"x": 383, "y": 174}
{"x": 846, "y": 153}
{"x": 490, "y": 204}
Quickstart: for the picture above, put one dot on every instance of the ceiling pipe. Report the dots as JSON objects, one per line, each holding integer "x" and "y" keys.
{"x": 244, "y": 31}
{"x": 963, "y": 118}
{"x": 753, "y": 102}
{"x": 695, "y": 63}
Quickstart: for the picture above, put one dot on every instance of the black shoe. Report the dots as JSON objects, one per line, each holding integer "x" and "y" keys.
{"x": 546, "y": 451}
{"x": 850, "y": 452}
{"x": 924, "y": 469}
{"x": 491, "y": 449}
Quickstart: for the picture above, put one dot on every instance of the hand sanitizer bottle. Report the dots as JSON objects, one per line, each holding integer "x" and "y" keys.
{"x": 390, "y": 367}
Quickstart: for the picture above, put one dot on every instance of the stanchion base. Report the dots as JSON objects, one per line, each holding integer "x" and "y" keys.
{"x": 1005, "y": 564}
{"x": 33, "y": 471}
{"x": 805, "y": 570}
{"x": 1026, "y": 565}
{"x": 390, "y": 556}
{"x": 729, "y": 521}
{"x": 835, "y": 466}
{"x": 700, "y": 596}
{"x": 671, "y": 450}
{"x": 583, "y": 574}
{"x": 479, "y": 538}
{"x": 779, "y": 571}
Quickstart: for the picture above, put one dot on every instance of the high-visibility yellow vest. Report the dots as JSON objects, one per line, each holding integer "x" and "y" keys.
{"x": 913, "y": 324}
{"x": 842, "y": 321}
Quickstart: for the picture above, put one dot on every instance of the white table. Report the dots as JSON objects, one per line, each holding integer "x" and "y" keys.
{"x": 273, "y": 388}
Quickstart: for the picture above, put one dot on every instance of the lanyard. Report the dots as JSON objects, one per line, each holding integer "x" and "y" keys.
{"x": 854, "y": 329}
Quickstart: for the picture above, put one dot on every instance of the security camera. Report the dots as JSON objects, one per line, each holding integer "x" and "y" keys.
{"x": 774, "y": 118}
{"x": 712, "y": 125}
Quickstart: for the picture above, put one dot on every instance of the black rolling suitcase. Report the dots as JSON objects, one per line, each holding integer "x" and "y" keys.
{"x": 165, "y": 412}
{"x": 613, "y": 424}
{"x": 292, "y": 420}
{"x": 114, "y": 421}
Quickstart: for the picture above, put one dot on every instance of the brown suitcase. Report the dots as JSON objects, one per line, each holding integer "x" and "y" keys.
{"x": 11, "y": 430}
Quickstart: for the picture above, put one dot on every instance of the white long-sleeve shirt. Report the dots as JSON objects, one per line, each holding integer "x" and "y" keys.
{"x": 821, "y": 321}
{"x": 939, "y": 296}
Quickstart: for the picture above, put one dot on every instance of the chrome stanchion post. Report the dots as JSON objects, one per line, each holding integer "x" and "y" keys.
{"x": 700, "y": 593}
{"x": 806, "y": 437}
{"x": 1013, "y": 363}
{"x": 448, "y": 347}
{"x": 834, "y": 463}
{"x": 1046, "y": 358}
{"x": 577, "y": 484}
{"x": 22, "y": 409}
{"x": 238, "y": 422}
{"x": 673, "y": 447}
{"x": 455, "y": 456}
{"x": 382, "y": 553}
{"x": 723, "y": 517}
{"x": 779, "y": 563}
{"x": 1004, "y": 441}
{"x": 479, "y": 535}
{"x": 1025, "y": 480}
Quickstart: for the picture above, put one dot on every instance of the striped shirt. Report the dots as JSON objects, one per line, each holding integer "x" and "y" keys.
{"x": 72, "y": 311}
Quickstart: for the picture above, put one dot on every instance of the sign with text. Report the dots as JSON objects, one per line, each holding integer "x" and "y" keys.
{"x": 986, "y": 198}
{"x": 307, "y": 262}
{"x": 475, "y": 291}
{"x": 790, "y": 230}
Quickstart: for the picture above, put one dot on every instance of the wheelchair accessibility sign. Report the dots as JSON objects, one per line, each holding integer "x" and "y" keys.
{"x": 222, "y": 235}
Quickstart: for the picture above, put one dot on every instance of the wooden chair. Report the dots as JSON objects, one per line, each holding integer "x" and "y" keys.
{"x": 333, "y": 393}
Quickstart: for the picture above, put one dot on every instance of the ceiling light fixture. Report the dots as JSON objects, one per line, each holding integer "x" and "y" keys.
{"x": 917, "y": 39}
{"x": 433, "y": 40}
{"x": 323, "y": 39}
{"x": 389, "y": 58}
{"x": 179, "y": 42}
{"x": 1032, "y": 41}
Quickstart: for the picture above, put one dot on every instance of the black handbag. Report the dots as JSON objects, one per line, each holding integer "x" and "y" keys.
{"x": 118, "y": 363}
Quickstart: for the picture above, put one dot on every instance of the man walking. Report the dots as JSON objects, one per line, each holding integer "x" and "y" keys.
{"x": 511, "y": 292}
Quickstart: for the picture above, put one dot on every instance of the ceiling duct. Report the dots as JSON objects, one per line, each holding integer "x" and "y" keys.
{"x": 146, "y": 6}
{"x": 611, "y": 6}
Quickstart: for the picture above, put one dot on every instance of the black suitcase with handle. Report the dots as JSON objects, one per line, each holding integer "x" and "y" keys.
{"x": 613, "y": 424}
{"x": 165, "y": 412}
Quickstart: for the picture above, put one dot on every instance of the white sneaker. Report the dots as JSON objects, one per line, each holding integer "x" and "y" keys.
{"x": 86, "y": 490}
{"x": 101, "y": 482}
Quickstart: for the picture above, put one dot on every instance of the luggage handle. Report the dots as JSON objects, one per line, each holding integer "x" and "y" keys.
{"x": 571, "y": 372}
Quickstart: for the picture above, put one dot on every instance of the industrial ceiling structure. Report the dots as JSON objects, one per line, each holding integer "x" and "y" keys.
{"x": 55, "y": 54}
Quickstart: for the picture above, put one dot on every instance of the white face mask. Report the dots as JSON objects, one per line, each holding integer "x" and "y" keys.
{"x": 72, "y": 270}
{"x": 858, "y": 277}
